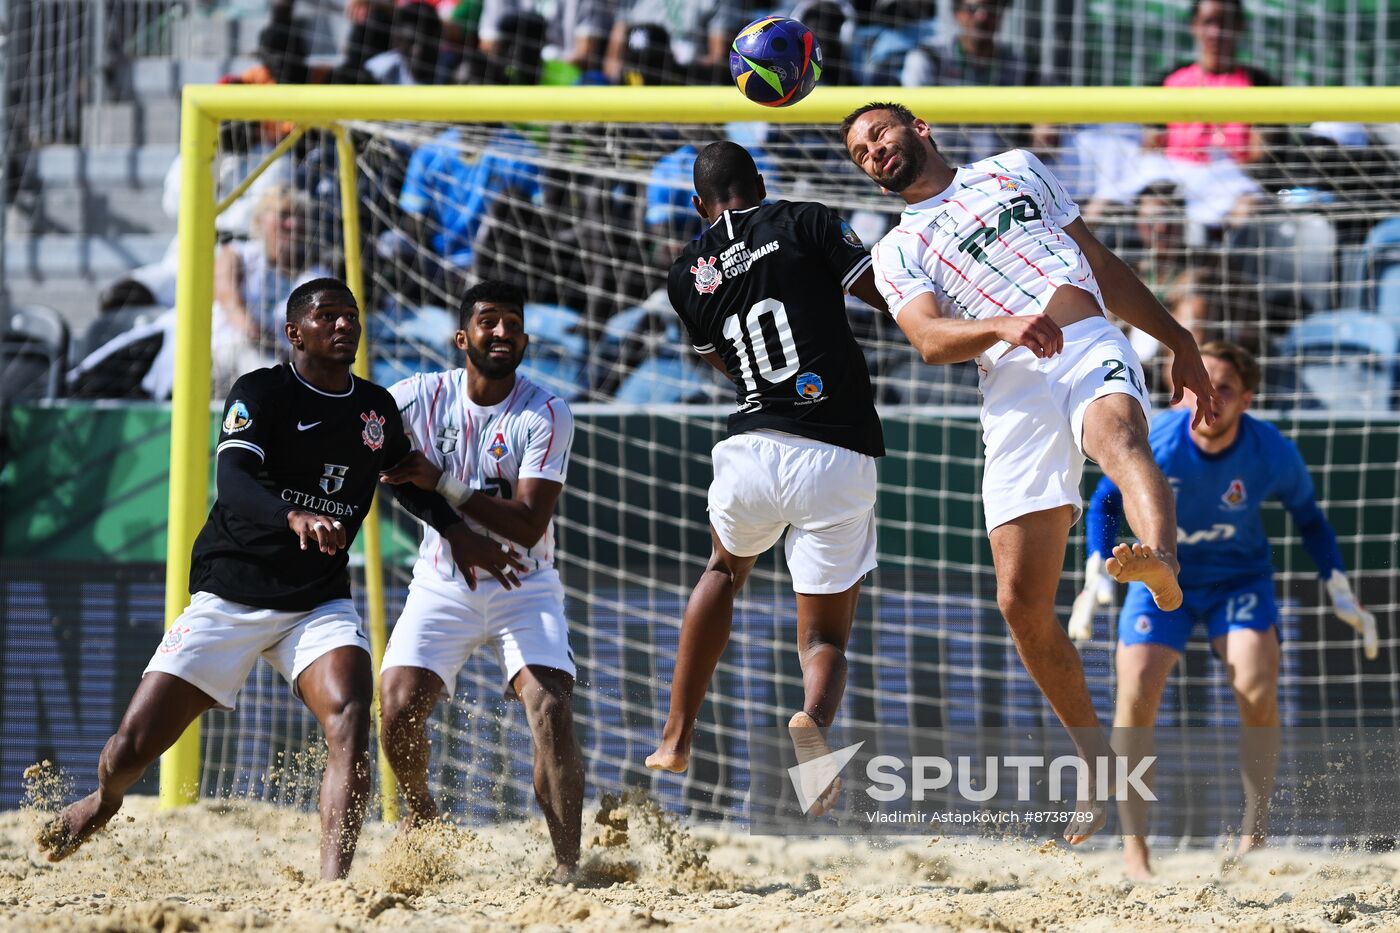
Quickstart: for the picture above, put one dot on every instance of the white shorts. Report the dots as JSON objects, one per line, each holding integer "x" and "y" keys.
{"x": 443, "y": 622}
{"x": 767, "y": 482}
{"x": 1033, "y": 418}
{"x": 215, "y": 642}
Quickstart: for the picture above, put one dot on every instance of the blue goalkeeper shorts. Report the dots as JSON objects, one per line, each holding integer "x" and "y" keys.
{"x": 1222, "y": 608}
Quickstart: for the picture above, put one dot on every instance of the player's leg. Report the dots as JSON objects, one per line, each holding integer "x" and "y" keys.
{"x": 1244, "y": 634}
{"x": 442, "y": 623}
{"x": 1028, "y": 553}
{"x": 704, "y": 635}
{"x": 1150, "y": 643}
{"x": 160, "y": 711}
{"x": 338, "y": 688}
{"x": 1114, "y": 434}
{"x": 823, "y": 628}
{"x": 407, "y": 696}
{"x": 547, "y": 695}
{"x": 202, "y": 661}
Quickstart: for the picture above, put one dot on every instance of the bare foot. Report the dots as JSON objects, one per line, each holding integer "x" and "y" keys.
{"x": 1250, "y": 844}
{"x": 808, "y": 742}
{"x": 1137, "y": 861}
{"x": 1077, "y": 831}
{"x": 417, "y": 819}
{"x": 564, "y": 874}
{"x": 1138, "y": 562}
{"x": 675, "y": 759}
{"x": 63, "y": 835}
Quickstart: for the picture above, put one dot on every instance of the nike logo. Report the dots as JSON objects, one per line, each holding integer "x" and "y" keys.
{"x": 306, "y": 427}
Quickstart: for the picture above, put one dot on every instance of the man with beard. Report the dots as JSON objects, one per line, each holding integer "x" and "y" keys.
{"x": 992, "y": 262}
{"x": 760, "y": 293}
{"x": 268, "y": 574}
{"x": 496, "y": 446}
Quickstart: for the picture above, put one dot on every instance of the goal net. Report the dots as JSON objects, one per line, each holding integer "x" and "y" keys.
{"x": 1291, "y": 247}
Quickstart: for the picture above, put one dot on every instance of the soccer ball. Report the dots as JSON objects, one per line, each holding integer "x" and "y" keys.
{"x": 775, "y": 61}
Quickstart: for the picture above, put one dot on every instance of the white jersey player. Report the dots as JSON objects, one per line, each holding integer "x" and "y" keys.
{"x": 992, "y": 262}
{"x": 496, "y": 446}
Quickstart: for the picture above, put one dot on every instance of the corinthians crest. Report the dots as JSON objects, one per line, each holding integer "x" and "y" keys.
{"x": 707, "y": 277}
{"x": 373, "y": 434}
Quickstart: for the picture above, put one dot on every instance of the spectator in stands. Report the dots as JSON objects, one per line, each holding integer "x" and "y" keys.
{"x": 648, "y": 59}
{"x": 413, "y": 56}
{"x": 699, "y": 31}
{"x": 833, "y": 24}
{"x": 971, "y": 56}
{"x": 251, "y": 278}
{"x": 447, "y": 194}
{"x": 1203, "y": 159}
{"x": 517, "y": 57}
{"x": 1160, "y": 220}
{"x": 1216, "y": 26}
{"x": 576, "y": 30}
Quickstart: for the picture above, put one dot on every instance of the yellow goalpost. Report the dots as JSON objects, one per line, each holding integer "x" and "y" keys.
{"x": 205, "y": 107}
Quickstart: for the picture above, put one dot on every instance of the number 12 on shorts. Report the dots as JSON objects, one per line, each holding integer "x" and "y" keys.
{"x": 1116, "y": 369}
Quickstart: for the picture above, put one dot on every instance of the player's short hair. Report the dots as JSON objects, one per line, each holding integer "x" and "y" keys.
{"x": 303, "y": 297}
{"x": 1237, "y": 356}
{"x": 900, "y": 112}
{"x": 496, "y": 291}
{"x": 725, "y": 170}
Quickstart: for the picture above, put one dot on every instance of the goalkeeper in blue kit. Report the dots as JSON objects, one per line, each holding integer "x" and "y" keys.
{"x": 1222, "y": 474}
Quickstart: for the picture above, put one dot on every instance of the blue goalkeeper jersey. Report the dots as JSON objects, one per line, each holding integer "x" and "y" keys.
{"x": 1220, "y": 499}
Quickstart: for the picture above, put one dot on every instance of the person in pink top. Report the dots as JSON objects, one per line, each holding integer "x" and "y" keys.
{"x": 1216, "y": 26}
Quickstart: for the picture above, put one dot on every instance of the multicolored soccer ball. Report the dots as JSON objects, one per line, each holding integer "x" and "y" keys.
{"x": 775, "y": 61}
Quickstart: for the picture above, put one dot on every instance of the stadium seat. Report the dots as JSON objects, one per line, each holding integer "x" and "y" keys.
{"x": 558, "y": 354}
{"x": 33, "y": 353}
{"x": 1295, "y": 251}
{"x": 915, "y": 382}
{"x": 412, "y": 341}
{"x": 1344, "y": 360}
{"x": 669, "y": 378}
{"x": 1374, "y": 273}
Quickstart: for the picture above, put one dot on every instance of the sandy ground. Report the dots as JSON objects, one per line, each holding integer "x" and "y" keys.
{"x": 240, "y": 866}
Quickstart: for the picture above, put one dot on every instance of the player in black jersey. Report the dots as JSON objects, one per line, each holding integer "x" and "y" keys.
{"x": 299, "y": 458}
{"x": 760, "y": 293}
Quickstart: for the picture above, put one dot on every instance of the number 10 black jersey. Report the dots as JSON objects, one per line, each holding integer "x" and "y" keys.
{"x": 764, "y": 288}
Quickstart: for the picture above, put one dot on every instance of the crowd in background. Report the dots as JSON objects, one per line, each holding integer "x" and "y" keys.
{"x": 1220, "y": 219}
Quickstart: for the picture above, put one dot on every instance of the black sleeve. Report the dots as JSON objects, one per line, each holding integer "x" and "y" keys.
{"x": 1260, "y": 78}
{"x": 675, "y": 290}
{"x": 427, "y": 507}
{"x": 241, "y": 493}
{"x": 831, "y": 238}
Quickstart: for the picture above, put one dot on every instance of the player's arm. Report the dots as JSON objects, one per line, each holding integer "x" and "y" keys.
{"x": 829, "y": 236}
{"x": 1101, "y": 533}
{"x": 942, "y": 339}
{"x": 1126, "y": 296}
{"x": 1320, "y": 541}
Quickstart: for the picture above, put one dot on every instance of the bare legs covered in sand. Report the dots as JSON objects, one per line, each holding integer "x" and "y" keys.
{"x": 823, "y": 628}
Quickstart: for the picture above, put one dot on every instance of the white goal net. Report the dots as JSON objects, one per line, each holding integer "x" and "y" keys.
{"x": 1295, "y": 254}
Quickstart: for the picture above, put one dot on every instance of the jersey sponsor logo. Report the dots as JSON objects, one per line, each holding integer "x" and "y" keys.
{"x": 809, "y": 386}
{"x": 174, "y": 639}
{"x": 707, "y": 277}
{"x": 1217, "y": 532}
{"x": 313, "y": 503}
{"x": 447, "y": 439}
{"x": 1007, "y": 183}
{"x": 1143, "y": 625}
{"x": 848, "y": 233}
{"x": 373, "y": 434}
{"x": 1021, "y": 210}
{"x": 1235, "y": 496}
{"x": 237, "y": 418}
{"x": 306, "y": 427}
{"x": 737, "y": 259}
{"x": 499, "y": 448}
{"x": 334, "y": 478}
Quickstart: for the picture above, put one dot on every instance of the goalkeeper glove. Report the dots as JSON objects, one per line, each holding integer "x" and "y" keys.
{"x": 1098, "y": 591}
{"x": 1350, "y": 611}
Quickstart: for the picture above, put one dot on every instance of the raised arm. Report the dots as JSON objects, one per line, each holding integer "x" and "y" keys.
{"x": 1126, "y": 296}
